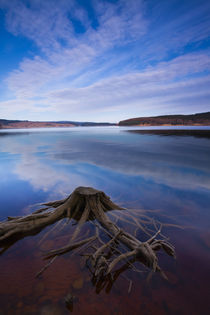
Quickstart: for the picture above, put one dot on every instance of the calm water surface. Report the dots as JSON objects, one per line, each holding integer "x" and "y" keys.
{"x": 164, "y": 172}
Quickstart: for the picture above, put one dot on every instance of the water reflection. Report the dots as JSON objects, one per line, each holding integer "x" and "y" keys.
{"x": 139, "y": 170}
{"x": 197, "y": 133}
{"x": 54, "y": 163}
{"x": 47, "y": 159}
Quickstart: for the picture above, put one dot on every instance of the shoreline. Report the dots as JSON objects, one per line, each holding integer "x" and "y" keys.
{"x": 111, "y": 125}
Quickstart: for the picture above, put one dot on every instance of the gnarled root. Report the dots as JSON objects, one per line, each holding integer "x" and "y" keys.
{"x": 86, "y": 203}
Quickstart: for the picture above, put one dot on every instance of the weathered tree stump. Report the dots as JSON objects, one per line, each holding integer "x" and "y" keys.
{"x": 86, "y": 203}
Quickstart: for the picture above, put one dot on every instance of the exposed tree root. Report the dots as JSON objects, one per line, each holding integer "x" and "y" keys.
{"x": 89, "y": 204}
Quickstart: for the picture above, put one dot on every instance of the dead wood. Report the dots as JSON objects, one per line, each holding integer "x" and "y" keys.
{"x": 89, "y": 204}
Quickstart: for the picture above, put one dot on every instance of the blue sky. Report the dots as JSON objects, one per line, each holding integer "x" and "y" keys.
{"x": 95, "y": 60}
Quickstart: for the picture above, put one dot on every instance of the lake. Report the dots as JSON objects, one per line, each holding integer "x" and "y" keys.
{"x": 164, "y": 173}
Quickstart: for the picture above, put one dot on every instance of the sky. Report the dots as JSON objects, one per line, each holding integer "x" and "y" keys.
{"x": 103, "y": 60}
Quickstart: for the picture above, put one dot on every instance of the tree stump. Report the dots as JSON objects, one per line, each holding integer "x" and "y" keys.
{"x": 89, "y": 204}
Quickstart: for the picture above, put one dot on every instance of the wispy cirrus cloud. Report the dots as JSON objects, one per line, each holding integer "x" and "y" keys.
{"x": 171, "y": 83}
{"x": 116, "y": 24}
{"x": 108, "y": 56}
{"x": 43, "y": 22}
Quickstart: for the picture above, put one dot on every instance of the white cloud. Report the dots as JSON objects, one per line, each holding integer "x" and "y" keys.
{"x": 105, "y": 68}
{"x": 44, "y": 22}
{"x": 169, "y": 84}
{"x": 66, "y": 60}
{"x": 154, "y": 86}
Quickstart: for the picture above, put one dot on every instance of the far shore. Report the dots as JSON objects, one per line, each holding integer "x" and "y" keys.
{"x": 199, "y": 119}
{"x": 117, "y": 125}
{"x": 166, "y": 125}
{"x": 31, "y": 126}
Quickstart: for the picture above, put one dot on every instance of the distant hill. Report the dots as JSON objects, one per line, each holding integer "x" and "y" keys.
{"x": 200, "y": 119}
{"x": 19, "y": 124}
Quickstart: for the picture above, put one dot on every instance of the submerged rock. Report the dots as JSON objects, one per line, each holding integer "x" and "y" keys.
{"x": 78, "y": 283}
{"x": 70, "y": 299}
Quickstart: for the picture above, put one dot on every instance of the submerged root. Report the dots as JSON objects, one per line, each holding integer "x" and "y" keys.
{"x": 89, "y": 204}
